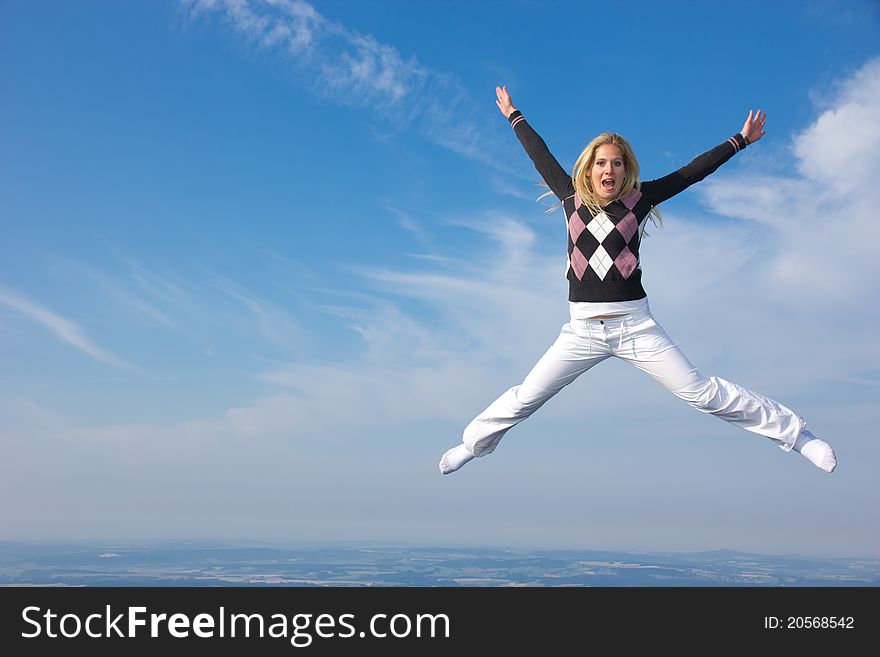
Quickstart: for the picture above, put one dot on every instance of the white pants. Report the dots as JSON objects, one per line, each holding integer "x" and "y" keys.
{"x": 637, "y": 339}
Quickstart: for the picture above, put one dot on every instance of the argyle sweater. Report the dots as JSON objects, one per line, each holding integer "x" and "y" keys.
{"x": 603, "y": 250}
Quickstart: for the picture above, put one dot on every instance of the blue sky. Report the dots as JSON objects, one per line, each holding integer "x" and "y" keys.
{"x": 263, "y": 261}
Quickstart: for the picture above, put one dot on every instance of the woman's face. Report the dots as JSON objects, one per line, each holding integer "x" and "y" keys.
{"x": 608, "y": 171}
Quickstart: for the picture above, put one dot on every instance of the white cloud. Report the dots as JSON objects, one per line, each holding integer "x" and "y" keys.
{"x": 838, "y": 152}
{"x": 160, "y": 287}
{"x": 273, "y": 321}
{"x": 117, "y": 292}
{"x": 63, "y": 328}
{"x": 819, "y": 228}
{"x": 357, "y": 70}
{"x": 408, "y": 223}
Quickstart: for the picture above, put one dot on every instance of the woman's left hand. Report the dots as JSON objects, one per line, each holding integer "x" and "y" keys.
{"x": 753, "y": 128}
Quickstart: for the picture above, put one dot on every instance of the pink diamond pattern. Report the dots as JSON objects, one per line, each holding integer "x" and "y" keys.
{"x": 628, "y": 226}
{"x": 575, "y": 226}
{"x": 626, "y": 262}
{"x": 578, "y": 263}
{"x": 632, "y": 198}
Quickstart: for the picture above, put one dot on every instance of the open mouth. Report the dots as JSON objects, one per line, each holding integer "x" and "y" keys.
{"x": 608, "y": 184}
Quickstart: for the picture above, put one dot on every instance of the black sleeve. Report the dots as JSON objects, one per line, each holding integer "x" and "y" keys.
{"x": 657, "y": 191}
{"x": 553, "y": 174}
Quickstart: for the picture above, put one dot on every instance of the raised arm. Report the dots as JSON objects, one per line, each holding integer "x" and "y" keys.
{"x": 557, "y": 179}
{"x": 657, "y": 191}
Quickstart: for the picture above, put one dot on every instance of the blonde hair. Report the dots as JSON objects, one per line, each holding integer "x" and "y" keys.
{"x": 583, "y": 183}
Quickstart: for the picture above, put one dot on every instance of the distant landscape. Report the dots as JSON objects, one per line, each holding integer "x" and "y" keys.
{"x": 206, "y": 563}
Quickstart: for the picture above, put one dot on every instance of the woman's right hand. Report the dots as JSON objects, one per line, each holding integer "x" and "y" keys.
{"x": 503, "y": 101}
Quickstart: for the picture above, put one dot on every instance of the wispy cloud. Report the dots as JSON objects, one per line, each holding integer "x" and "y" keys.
{"x": 357, "y": 70}
{"x": 416, "y": 228}
{"x": 119, "y": 294}
{"x": 843, "y": 14}
{"x": 63, "y": 328}
{"x": 274, "y": 322}
{"x": 199, "y": 311}
{"x": 159, "y": 287}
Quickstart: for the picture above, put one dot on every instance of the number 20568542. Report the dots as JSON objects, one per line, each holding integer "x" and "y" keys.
{"x": 809, "y": 622}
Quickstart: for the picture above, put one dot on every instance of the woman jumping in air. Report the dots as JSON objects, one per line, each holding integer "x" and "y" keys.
{"x": 606, "y": 207}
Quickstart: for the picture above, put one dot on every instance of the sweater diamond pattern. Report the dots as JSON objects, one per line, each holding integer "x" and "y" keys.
{"x": 628, "y": 226}
{"x": 626, "y": 262}
{"x": 607, "y": 243}
{"x": 578, "y": 262}
{"x": 601, "y": 262}
{"x": 576, "y": 226}
{"x": 600, "y": 226}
